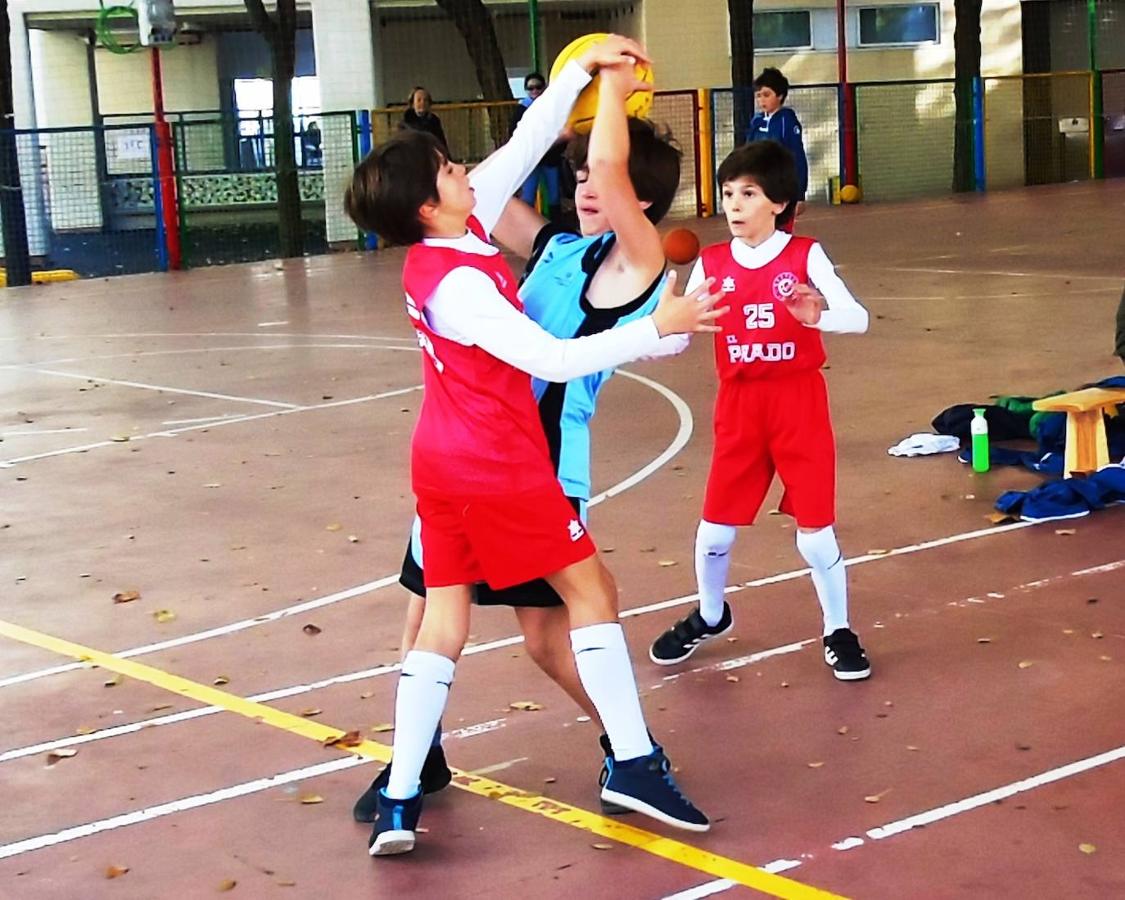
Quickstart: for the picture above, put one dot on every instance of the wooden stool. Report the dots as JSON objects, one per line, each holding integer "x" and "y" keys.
{"x": 1086, "y": 449}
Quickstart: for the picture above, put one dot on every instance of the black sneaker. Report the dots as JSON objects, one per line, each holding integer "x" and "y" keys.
{"x": 645, "y": 785}
{"x": 844, "y": 654}
{"x": 680, "y": 641}
{"x": 435, "y": 776}
{"x": 395, "y": 822}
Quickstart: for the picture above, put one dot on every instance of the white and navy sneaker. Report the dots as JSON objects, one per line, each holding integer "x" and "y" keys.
{"x": 842, "y": 651}
{"x": 681, "y": 640}
{"x": 645, "y": 785}
{"x": 395, "y": 823}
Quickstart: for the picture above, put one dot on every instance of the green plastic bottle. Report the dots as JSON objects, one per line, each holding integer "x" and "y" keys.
{"x": 979, "y": 430}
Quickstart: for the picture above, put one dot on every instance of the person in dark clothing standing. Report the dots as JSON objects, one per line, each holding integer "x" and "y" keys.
{"x": 419, "y": 117}
{"x": 777, "y": 122}
{"x": 550, "y": 167}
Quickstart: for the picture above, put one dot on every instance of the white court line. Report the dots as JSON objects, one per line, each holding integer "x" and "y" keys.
{"x": 231, "y": 628}
{"x": 186, "y": 350}
{"x": 194, "y": 802}
{"x": 163, "y": 388}
{"x": 975, "y": 272}
{"x": 211, "y": 334}
{"x": 207, "y": 426}
{"x": 11, "y": 434}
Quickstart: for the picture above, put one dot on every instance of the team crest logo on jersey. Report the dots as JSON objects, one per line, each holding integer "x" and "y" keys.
{"x": 576, "y": 530}
{"x": 784, "y": 286}
{"x": 728, "y": 285}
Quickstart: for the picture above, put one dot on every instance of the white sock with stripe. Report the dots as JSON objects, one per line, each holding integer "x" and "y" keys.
{"x": 603, "y": 664}
{"x": 712, "y": 563}
{"x": 423, "y": 687}
{"x": 829, "y": 575}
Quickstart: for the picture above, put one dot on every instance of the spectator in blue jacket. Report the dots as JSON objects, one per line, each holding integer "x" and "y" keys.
{"x": 776, "y": 122}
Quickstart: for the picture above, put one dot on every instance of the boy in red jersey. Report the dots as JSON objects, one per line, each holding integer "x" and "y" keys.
{"x": 488, "y": 498}
{"x": 771, "y": 414}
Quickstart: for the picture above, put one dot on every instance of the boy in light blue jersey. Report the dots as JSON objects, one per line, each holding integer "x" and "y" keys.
{"x": 610, "y": 273}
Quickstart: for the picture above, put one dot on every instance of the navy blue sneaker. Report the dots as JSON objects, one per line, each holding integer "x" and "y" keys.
{"x": 435, "y": 776}
{"x": 645, "y": 785}
{"x": 612, "y": 809}
{"x": 395, "y": 822}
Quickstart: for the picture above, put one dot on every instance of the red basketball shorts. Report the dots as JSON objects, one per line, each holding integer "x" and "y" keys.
{"x": 763, "y": 426}
{"x": 503, "y": 540}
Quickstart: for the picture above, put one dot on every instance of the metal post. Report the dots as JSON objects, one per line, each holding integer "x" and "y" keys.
{"x": 1096, "y": 124}
{"x": 165, "y": 167}
{"x": 847, "y": 100}
{"x": 978, "y": 134}
{"x": 533, "y": 22}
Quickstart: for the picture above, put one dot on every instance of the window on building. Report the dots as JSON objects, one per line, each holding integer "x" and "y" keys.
{"x": 908, "y": 24}
{"x": 253, "y": 100}
{"x": 789, "y": 30}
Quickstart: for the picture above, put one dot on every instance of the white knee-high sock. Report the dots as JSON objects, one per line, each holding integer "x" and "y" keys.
{"x": 607, "y": 675}
{"x": 712, "y": 562}
{"x": 829, "y": 575}
{"x": 423, "y": 688}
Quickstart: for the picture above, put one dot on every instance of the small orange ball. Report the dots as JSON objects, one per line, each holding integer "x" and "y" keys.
{"x": 681, "y": 246}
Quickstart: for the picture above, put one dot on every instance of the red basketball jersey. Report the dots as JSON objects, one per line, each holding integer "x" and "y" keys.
{"x": 760, "y": 337}
{"x": 478, "y": 431}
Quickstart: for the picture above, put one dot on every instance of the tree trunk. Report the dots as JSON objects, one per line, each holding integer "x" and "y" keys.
{"x": 475, "y": 24}
{"x": 17, "y": 260}
{"x": 741, "y": 14}
{"x": 967, "y": 50}
{"x": 281, "y": 34}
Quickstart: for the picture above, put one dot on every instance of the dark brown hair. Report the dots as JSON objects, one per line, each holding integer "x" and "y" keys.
{"x": 654, "y": 164}
{"x": 769, "y": 165}
{"x": 392, "y": 182}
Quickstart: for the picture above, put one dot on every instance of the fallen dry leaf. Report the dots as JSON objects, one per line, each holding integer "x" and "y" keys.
{"x": 1106, "y": 658}
{"x": 310, "y": 799}
{"x": 164, "y": 615}
{"x": 227, "y": 884}
{"x": 602, "y": 846}
{"x": 1096, "y": 635}
{"x": 843, "y": 729}
{"x": 1066, "y": 531}
{"x": 115, "y": 871}
{"x": 221, "y": 680}
{"x": 997, "y": 518}
{"x": 875, "y": 798}
{"x": 382, "y": 727}
{"x": 785, "y": 684}
{"x": 912, "y": 748}
{"x": 160, "y": 707}
{"x": 666, "y": 563}
{"x": 1026, "y": 663}
{"x": 525, "y": 705}
{"x": 550, "y": 779}
{"x": 984, "y": 640}
{"x": 347, "y": 739}
{"x": 815, "y": 765}
{"x": 733, "y": 678}
{"x": 61, "y": 753}
{"x": 366, "y": 695}
{"x": 335, "y": 526}
{"x": 352, "y": 539}
{"x": 878, "y": 552}
{"x": 311, "y": 711}
{"x": 112, "y": 681}
{"x": 126, "y": 596}
{"x": 84, "y": 729}
{"x": 312, "y": 629}
{"x": 1087, "y": 848}
{"x": 120, "y": 438}
{"x": 1068, "y": 631}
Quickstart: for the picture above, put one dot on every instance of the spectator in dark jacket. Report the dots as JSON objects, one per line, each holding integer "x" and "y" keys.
{"x": 777, "y": 122}
{"x": 419, "y": 117}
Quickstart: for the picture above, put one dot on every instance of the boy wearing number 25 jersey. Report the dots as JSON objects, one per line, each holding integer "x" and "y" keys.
{"x": 771, "y": 413}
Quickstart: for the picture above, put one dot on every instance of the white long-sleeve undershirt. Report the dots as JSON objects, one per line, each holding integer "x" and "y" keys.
{"x": 844, "y": 314}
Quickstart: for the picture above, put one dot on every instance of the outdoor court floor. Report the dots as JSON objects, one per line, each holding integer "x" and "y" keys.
{"x": 232, "y": 444}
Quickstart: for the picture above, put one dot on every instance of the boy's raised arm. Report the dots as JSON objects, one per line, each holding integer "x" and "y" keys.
{"x": 607, "y": 161}
{"x": 497, "y": 178}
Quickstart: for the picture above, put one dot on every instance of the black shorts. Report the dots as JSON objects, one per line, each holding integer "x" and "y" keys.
{"x": 535, "y": 593}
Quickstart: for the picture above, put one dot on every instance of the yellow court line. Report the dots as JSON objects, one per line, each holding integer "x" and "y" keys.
{"x": 666, "y": 848}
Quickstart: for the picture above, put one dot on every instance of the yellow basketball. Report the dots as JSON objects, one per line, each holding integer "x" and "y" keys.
{"x": 849, "y": 193}
{"x": 582, "y": 115}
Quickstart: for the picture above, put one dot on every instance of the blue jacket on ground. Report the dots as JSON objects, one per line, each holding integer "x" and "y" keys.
{"x": 783, "y": 127}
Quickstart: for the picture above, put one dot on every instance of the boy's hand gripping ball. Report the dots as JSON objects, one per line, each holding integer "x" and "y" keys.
{"x": 582, "y": 114}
